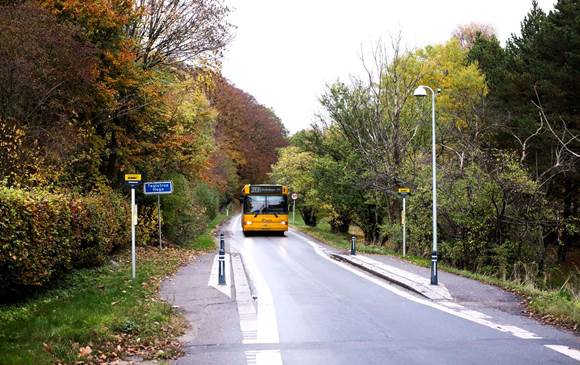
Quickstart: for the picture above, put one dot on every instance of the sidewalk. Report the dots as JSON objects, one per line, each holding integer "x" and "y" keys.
{"x": 417, "y": 283}
{"x": 451, "y": 287}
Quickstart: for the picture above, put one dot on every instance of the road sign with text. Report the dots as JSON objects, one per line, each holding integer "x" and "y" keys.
{"x": 158, "y": 187}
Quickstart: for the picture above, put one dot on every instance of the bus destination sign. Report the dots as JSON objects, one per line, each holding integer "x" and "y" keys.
{"x": 265, "y": 189}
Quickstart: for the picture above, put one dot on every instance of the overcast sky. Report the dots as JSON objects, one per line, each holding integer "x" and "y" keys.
{"x": 285, "y": 52}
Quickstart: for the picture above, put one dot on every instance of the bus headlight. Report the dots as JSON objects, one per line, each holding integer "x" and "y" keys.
{"x": 248, "y": 222}
{"x": 283, "y": 222}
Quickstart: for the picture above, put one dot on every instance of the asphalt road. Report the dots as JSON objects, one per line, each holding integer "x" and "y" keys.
{"x": 312, "y": 310}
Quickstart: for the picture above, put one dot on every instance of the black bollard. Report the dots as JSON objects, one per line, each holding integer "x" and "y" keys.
{"x": 222, "y": 245}
{"x": 353, "y": 245}
{"x": 222, "y": 261}
{"x": 434, "y": 279}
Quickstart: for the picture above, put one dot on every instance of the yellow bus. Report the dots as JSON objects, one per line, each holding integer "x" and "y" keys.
{"x": 265, "y": 208}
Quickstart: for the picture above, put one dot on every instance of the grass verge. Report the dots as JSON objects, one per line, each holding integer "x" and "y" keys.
{"x": 552, "y": 306}
{"x": 206, "y": 242}
{"x": 100, "y": 315}
{"x": 97, "y": 315}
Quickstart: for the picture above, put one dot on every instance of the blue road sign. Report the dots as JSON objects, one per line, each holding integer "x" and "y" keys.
{"x": 158, "y": 187}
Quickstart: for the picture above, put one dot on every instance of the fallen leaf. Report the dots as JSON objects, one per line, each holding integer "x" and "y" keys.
{"x": 85, "y": 351}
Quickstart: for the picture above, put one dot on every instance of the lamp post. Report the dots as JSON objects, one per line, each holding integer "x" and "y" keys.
{"x": 422, "y": 91}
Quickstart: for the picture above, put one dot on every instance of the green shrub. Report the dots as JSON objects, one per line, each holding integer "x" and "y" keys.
{"x": 100, "y": 222}
{"x": 147, "y": 224}
{"x": 44, "y": 234}
{"x": 184, "y": 215}
{"x": 209, "y": 198}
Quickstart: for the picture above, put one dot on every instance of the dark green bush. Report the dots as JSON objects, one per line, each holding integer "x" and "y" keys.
{"x": 44, "y": 234}
{"x": 209, "y": 198}
{"x": 99, "y": 223}
{"x": 184, "y": 215}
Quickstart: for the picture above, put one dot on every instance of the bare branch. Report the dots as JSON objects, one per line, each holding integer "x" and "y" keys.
{"x": 173, "y": 31}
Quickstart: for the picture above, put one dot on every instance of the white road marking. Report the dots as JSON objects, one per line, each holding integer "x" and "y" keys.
{"x": 264, "y": 357}
{"x": 213, "y": 277}
{"x": 246, "y": 309}
{"x": 565, "y": 350}
{"x": 258, "y": 325}
{"x": 266, "y": 323}
{"x": 451, "y": 308}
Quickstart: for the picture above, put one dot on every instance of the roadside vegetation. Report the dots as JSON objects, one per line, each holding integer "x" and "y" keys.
{"x": 87, "y": 96}
{"x": 90, "y": 91}
{"x": 99, "y": 315}
{"x": 508, "y": 155}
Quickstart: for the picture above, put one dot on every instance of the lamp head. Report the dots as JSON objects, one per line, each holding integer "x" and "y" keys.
{"x": 420, "y": 91}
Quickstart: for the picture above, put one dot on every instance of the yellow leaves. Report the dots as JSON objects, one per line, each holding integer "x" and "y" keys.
{"x": 463, "y": 85}
{"x": 461, "y": 124}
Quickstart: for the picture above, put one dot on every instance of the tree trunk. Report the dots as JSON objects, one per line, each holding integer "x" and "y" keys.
{"x": 309, "y": 216}
{"x": 371, "y": 225}
{"x": 569, "y": 193}
{"x": 340, "y": 224}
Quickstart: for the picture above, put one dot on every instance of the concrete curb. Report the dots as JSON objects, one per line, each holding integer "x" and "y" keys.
{"x": 397, "y": 276}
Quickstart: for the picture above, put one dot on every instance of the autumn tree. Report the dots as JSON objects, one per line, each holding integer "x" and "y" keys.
{"x": 294, "y": 168}
{"x": 176, "y": 31}
{"x": 249, "y": 132}
{"x": 48, "y": 82}
{"x": 467, "y": 34}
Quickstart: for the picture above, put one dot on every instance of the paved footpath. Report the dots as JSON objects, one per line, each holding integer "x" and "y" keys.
{"x": 211, "y": 311}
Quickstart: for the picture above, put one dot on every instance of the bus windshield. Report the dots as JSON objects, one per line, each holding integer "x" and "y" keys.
{"x": 266, "y": 204}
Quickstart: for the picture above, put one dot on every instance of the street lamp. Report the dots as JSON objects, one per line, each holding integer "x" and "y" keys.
{"x": 422, "y": 91}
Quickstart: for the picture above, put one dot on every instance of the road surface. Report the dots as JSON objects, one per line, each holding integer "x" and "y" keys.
{"x": 309, "y": 309}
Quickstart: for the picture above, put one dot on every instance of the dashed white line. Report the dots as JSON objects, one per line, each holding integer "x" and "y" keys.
{"x": 265, "y": 357}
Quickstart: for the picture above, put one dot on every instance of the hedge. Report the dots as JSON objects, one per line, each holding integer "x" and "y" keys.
{"x": 43, "y": 235}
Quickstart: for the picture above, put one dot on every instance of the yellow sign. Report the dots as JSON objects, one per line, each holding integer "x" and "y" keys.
{"x": 132, "y": 177}
{"x": 404, "y": 190}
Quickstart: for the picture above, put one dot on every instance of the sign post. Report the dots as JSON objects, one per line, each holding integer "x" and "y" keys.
{"x": 133, "y": 180}
{"x": 158, "y": 188}
{"x": 294, "y": 197}
{"x": 404, "y": 192}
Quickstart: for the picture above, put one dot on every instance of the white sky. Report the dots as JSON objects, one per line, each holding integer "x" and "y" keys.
{"x": 286, "y": 51}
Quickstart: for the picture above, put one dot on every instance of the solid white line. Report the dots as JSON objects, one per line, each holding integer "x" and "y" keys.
{"x": 565, "y": 350}
{"x": 469, "y": 315}
{"x": 267, "y": 325}
{"x": 258, "y": 325}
